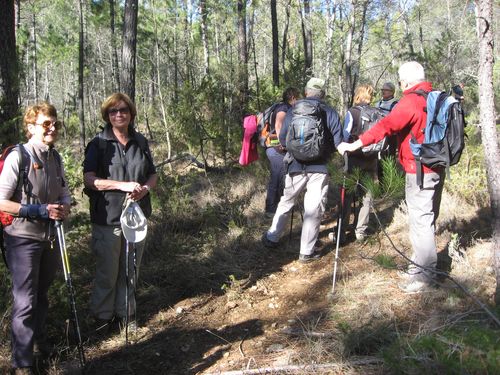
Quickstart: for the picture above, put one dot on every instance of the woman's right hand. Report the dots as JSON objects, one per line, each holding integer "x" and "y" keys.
{"x": 129, "y": 187}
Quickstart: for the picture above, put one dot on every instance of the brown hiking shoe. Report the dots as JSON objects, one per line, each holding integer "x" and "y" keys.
{"x": 23, "y": 371}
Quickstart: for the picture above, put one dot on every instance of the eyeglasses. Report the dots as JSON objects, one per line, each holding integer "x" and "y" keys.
{"x": 122, "y": 110}
{"x": 48, "y": 124}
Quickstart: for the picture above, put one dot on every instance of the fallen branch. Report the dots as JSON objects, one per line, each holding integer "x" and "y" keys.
{"x": 301, "y": 368}
{"x": 179, "y": 157}
{"x": 296, "y": 332}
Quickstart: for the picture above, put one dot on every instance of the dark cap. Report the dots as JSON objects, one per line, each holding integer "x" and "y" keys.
{"x": 457, "y": 90}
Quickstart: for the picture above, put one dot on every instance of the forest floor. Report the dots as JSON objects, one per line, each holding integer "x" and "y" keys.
{"x": 273, "y": 314}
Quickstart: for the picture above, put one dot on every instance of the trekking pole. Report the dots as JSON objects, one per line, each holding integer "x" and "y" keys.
{"x": 339, "y": 225}
{"x": 71, "y": 292}
{"x": 127, "y": 287}
{"x": 135, "y": 284}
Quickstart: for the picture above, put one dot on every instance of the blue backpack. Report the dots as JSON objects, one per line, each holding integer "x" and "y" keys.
{"x": 443, "y": 133}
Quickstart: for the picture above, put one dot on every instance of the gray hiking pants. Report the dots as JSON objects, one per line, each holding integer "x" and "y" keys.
{"x": 110, "y": 283}
{"x": 316, "y": 185}
{"x": 423, "y": 211}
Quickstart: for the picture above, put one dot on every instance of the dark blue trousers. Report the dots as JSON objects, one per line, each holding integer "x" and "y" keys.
{"x": 276, "y": 181}
{"x": 32, "y": 266}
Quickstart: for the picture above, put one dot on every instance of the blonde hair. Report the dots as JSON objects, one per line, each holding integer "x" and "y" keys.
{"x": 363, "y": 94}
{"x": 113, "y": 100}
{"x": 32, "y": 113}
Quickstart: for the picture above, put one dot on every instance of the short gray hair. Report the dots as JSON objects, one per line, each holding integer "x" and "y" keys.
{"x": 314, "y": 93}
{"x": 411, "y": 72}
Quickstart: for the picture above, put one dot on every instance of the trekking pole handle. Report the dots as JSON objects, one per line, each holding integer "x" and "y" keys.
{"x": 62, "y": 247}
{"x": 346, "y": 162}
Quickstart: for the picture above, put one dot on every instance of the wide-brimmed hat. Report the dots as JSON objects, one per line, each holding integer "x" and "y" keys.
{"x": 134, "y": 223}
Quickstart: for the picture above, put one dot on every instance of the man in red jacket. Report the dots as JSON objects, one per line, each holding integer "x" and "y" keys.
{"x": 408, "y": 118}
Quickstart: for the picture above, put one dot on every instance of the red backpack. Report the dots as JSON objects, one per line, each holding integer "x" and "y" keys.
{"x": 5, "y": 218}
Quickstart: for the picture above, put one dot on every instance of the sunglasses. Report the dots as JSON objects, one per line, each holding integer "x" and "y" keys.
{"x": 48, "y": 124}
{"x": 123, "y": 110}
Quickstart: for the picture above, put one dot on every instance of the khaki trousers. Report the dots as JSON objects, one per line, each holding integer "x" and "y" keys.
{"x": 316, "y": 185}
{"x": 110, "y": 283}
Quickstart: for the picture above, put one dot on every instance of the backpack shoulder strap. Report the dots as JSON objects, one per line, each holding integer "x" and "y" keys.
{"x": 59, "y": 162}
{"x": 143, "y": 145}
{"x": 25, "y": 158}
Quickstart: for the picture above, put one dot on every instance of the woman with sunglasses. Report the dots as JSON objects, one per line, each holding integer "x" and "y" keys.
{"x": 118, "y": 165}
{"x": 32, "y": 189}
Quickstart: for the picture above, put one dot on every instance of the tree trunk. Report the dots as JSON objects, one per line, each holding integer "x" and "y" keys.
{"x": 487, "y": 117}
{"x": 243, "y": 56}
{"x": 35, "y": 62}
{"x": 18, "y": 14}
{"x": 348, "y": 92}
{"x": 331, "y": 10}
{"x": 276, "y": 56}
{"x": 81, "y": 65}
{"x": 115, "y": 75}
{"x": 127, "y": 78}
{"x": 9, "y": 81}
{"x": 307, "y": 38}
{"x": 204, "y": 35}
{"x": 285, "y": 39}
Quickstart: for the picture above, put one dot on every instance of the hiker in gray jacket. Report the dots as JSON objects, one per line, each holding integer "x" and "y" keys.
{"x": 35, "y": 201}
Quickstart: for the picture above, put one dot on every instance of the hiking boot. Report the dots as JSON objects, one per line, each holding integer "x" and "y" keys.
{"x": 306, "y": 258}
{"x": 332, "y": 236}
{"x": 414, "y": 286}
{"x": 360, "y": 237}
{"x": 268, "y": 243}
{"x": 23, "y": 371}
{"x": 269, "y": 215}
{"x": 42, "y": 349}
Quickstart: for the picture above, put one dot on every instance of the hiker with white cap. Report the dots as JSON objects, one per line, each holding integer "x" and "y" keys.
{"x": 311, "y": 131}
{"x": 118, "y": 166}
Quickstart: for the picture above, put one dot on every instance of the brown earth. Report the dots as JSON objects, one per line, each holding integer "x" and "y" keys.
{"x": 272, "y": 312}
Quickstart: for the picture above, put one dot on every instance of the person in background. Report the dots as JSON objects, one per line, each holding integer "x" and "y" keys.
{"x": 312, "y": 176}
{"x": 276, "y": 152}
{"x": 408, "y": 119}
{"x": 367, "y": 163}
{"x": 388, "y": 101}
{"x": 386, "y": 104}
{"x": 457, "y": 92}
{"x": 31, "y": 252}
{"x": 118, "y": 165}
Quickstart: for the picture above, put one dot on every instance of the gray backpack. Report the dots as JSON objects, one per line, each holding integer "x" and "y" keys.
{"x": 306, "y": 139}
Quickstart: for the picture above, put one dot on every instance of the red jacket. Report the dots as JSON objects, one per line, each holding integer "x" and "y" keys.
{"x": 407, "y": 117}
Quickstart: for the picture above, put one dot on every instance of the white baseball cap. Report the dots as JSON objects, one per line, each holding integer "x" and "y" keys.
{"x": 134, "y": 223}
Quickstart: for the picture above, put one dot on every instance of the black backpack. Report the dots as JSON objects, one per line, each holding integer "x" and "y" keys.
{"x": 306, "y": 138}
{"x": 369, "y": 116}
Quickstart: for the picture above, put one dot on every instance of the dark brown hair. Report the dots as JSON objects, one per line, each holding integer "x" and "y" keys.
{"x": 113, "y": 100}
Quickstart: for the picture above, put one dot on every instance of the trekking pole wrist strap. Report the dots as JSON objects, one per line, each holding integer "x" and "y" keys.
{"x": 34, "y": 211}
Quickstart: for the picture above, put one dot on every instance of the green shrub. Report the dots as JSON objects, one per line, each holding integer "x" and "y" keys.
{"x": 469, "y": 349}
